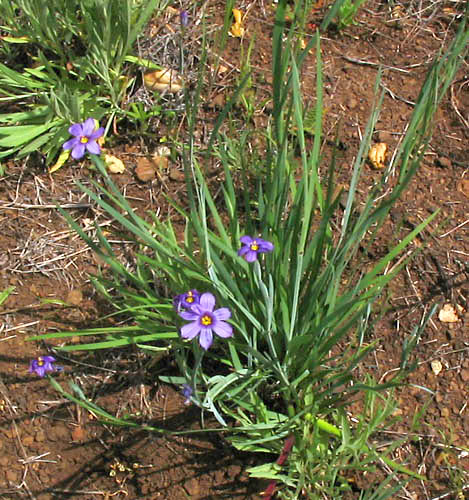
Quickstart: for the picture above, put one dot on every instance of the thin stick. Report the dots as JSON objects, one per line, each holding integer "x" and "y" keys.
{"x": 22, "y": 206}
{"x": 454, "y": 229}
{"x": 376, "y": 65}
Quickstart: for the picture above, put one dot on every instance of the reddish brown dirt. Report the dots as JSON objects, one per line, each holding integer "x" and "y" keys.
{"x": 50, "y": 448}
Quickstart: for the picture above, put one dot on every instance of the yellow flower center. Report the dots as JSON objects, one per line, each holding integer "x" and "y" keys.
{"x": 40, "y": 361}
{"x": 206, "y": 320}
{"x": 254, "y": 246}
{"x": 189, "y": 299}
{"x": 84, "y": 139}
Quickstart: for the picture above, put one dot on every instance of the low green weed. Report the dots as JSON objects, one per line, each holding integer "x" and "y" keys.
{"x": 74, "y": 64}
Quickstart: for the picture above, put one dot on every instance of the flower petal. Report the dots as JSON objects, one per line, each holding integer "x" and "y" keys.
{"x": 243, "y": 250}
{"x": 76, "y": 129}
{"x": 96, "y": 134}
{"x": 206, "y": 338}
{"x": 78, "y": 151}
{"x": 88, "y": 127}
{"x": 190, "y": 330}
{"x": 71, "y": 143}
{"x": 251, "y": 256}
{"x": 206, "y": 302}
{"x": 265, "y": 246}
{"x": 223, "y": 329}
{"x": 93, "y": 147}
{"x": 189, "y": 315}
{"x": 222, "y": 313}
{"x": 246, "y": 240}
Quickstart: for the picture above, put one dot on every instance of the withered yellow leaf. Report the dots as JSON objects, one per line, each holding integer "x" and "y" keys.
{"x": 377, "y": 154}
{"x": 167, "y": 80}
{"x": 114, "y": 164}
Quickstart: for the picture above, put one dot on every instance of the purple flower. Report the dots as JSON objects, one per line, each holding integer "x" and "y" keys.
{"x": 42, "y": 365}
{"x": 253, "y": 246}
{"x": 187, "y": 392}
{"x": 85, "y": 139}
{"x": 186, "y": 300}
{"x": 204, "y": 321}
{"x": 184, "y": 18}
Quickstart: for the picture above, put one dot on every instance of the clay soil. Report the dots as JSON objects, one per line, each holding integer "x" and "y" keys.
{"x": 50, "y": 448}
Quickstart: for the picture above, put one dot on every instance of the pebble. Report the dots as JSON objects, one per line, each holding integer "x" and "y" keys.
{"x": 28, "y": 441}
{"x": 444, "y": 162}
{"x": 12, "y": 476}
{"x": 352, "y": 103}
{"x": 40, "y": 436}
{"x": 176, "y": 175}
{"x": 465, "y": 375}
{"x": 145, "y": 170}
{"x": 75, "y": 297}
{"x": 444, "y": 412}
{"x": 192, "y": 487}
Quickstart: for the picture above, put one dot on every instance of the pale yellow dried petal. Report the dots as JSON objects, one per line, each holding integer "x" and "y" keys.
{"x": 448, "y": 314}
{"x": 114, "y": 164}
{"x": 377, "y": 154}
{"x": 167, "y": 80}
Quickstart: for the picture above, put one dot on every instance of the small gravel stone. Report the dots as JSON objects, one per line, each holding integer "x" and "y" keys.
{"x": 176, "y": 175}
{"x": 352, "y": 103}
{"x": 444, "y": 162}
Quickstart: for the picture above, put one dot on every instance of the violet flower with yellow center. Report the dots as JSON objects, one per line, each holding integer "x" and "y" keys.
{"x": 85, "y": 138}
{"x": 205, "y": 321}
{"x": 43, "y": 365}
{"x": 186, "y": 300}
{"x": 253, "y": 246}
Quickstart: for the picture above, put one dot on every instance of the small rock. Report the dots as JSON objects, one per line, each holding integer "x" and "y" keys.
{"x": 176, "y": 175}
{"x": 40, "y": 436}
{"x": 217, "y": 102}
{"x": 444, "y": 162}
{"x": 444, "y": 412}
{"x": 160, "y": 162}
{"x": 28, "y": 440}
{"x": 75, "y": 297}
{"x": 78, "y": 434}
{"x": 465, "y": 375}
{"x": 352, "y": 103}
{"x": 12, "y": 476}
{"x": 145, "y": 170}
{"x": 192, "y": 487}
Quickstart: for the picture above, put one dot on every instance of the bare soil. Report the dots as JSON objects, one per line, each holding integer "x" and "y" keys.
{"x": 51, "y": 448}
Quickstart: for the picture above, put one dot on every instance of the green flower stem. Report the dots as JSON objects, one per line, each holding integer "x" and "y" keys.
{"x": 199, "y": 354}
